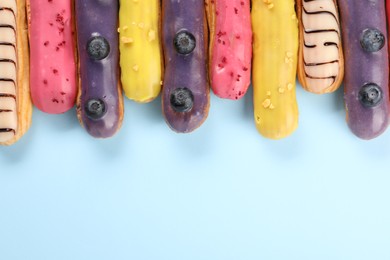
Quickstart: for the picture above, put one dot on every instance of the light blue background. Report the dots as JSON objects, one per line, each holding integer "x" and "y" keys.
{"x": 221, "y": 193}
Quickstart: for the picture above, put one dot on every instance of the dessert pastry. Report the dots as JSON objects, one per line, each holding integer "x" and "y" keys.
{"x": 275, "y": 49}
{"x": 321, "y": 61}
{"x": 140, "y": 49}
{"x": 15, "y": 102}
{"x": 100, "y": 101}
{"x": 366, "y": 82}
{"x": 230, "y": 47}
{"x": 52, "y": 55}
{"x": 185, "y": 96}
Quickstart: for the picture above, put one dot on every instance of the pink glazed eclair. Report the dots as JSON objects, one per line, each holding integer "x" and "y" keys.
{"x": 52, "y": 55}
{"x": 230, "y": 47}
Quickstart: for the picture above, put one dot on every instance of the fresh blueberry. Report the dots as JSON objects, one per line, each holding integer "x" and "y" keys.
{"x": 98, "y": 48}
{"x": 370, "y": 95}
{"x": 95, "y": 108}
{"x": 182, "y": 100}
{"x": 372, "y": 40}
{"x": 184, "y": 42}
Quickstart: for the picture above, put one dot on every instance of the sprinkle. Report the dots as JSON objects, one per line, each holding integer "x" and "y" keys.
{"x": 269, "y": 4}
{"x": 151, "y": 35}
{"x": 266, "y": 103}
{"x": 127, "y": 40}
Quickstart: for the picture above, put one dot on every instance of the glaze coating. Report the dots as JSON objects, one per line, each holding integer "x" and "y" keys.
{"x": 99, "y": 104}
{"x": 185, "y": 71}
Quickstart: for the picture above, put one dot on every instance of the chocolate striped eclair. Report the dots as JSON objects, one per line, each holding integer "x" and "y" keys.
{"x": 15, "y": 102}
{"x": 321, "y": 61}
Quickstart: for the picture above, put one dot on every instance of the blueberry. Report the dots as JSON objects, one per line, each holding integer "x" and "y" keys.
{"x": 182, "y": 100}
{"x": 372, "y": 40}
{"x": 95, "y": 108}
{"x": 184, "y": 42}
{"x": 98, "y": 48}
{"x": 370, "y": 95}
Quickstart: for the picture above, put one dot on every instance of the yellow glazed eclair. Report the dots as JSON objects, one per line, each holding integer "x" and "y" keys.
{"x": 15, "y": 102}
{"x": 275, "y": 51}
{"x": 140, "y": 49}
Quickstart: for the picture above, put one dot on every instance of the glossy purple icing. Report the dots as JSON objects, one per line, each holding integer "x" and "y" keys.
{"x": 363, "y": 67}
{"x": 188, "y": 71}
{"x": 99, "y": 78}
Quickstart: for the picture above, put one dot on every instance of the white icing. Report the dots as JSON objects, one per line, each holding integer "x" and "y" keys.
{"x": 8, "y": 70}
{"x": 318, "y": 76}
{"x": 9, "y": 4}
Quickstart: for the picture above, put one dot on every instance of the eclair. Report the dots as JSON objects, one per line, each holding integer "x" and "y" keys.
{"x": 100, "y": 102}
{"x": 185, "y": 97}
{"x": 321, "y": 60}
{"x": 275, "y": 55}
{"x": 52, "y": 55}
{"x": 15, "y": 102}
{"x": 366, "y": 82}
{"x": 230, "y": 47}
{"x": 140, "y": 49}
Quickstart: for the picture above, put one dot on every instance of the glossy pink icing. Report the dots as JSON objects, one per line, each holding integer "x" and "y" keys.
{"x": 232, "y": 49}
{"x": 52, "y": 62}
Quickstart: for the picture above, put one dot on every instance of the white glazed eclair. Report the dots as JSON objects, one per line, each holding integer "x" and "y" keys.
{"x": 321, "y": 61}
{"x": 15, "y": 102}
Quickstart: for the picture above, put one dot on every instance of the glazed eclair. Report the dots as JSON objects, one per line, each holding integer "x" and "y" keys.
{"x": 15, "y": 102}
{"x": 185, "y": 96}
{"x": 100, "y": 102}
{"x": 230, "y": 47}
{"x": 275, "y": 55}
{"x": 140, "y": 49}
{"x": 366, "y": 92}
{"x": 321, "y": 60}
{"x": 52, "y": 55}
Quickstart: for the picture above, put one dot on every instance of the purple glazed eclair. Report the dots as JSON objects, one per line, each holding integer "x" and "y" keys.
{"x": 185, "y": 98}
{"x": 366, "y": 94}
{"x": 100, "y": 101}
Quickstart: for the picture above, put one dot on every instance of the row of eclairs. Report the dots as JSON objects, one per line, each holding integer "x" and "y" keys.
{"x": 55, "y": 54}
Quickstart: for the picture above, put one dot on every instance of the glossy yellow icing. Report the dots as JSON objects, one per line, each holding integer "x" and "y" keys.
{"x": 140, "y": 49}
{"x": 275, "y": 28}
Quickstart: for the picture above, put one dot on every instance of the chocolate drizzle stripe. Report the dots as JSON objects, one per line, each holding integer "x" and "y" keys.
{"x": 7, "y": 130}
{"x": 320, "y": 63}
{"x": 8, "y": 80}
{"x": 321, "y": 31}
{"x": 7, "y": 61}
{"x": 8, "y": 26}
{"x": 320, "y": 12}
{"x": 3, "y": 95}
{"x": 313, "y": 77}
{"x": 7, "y": 44}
